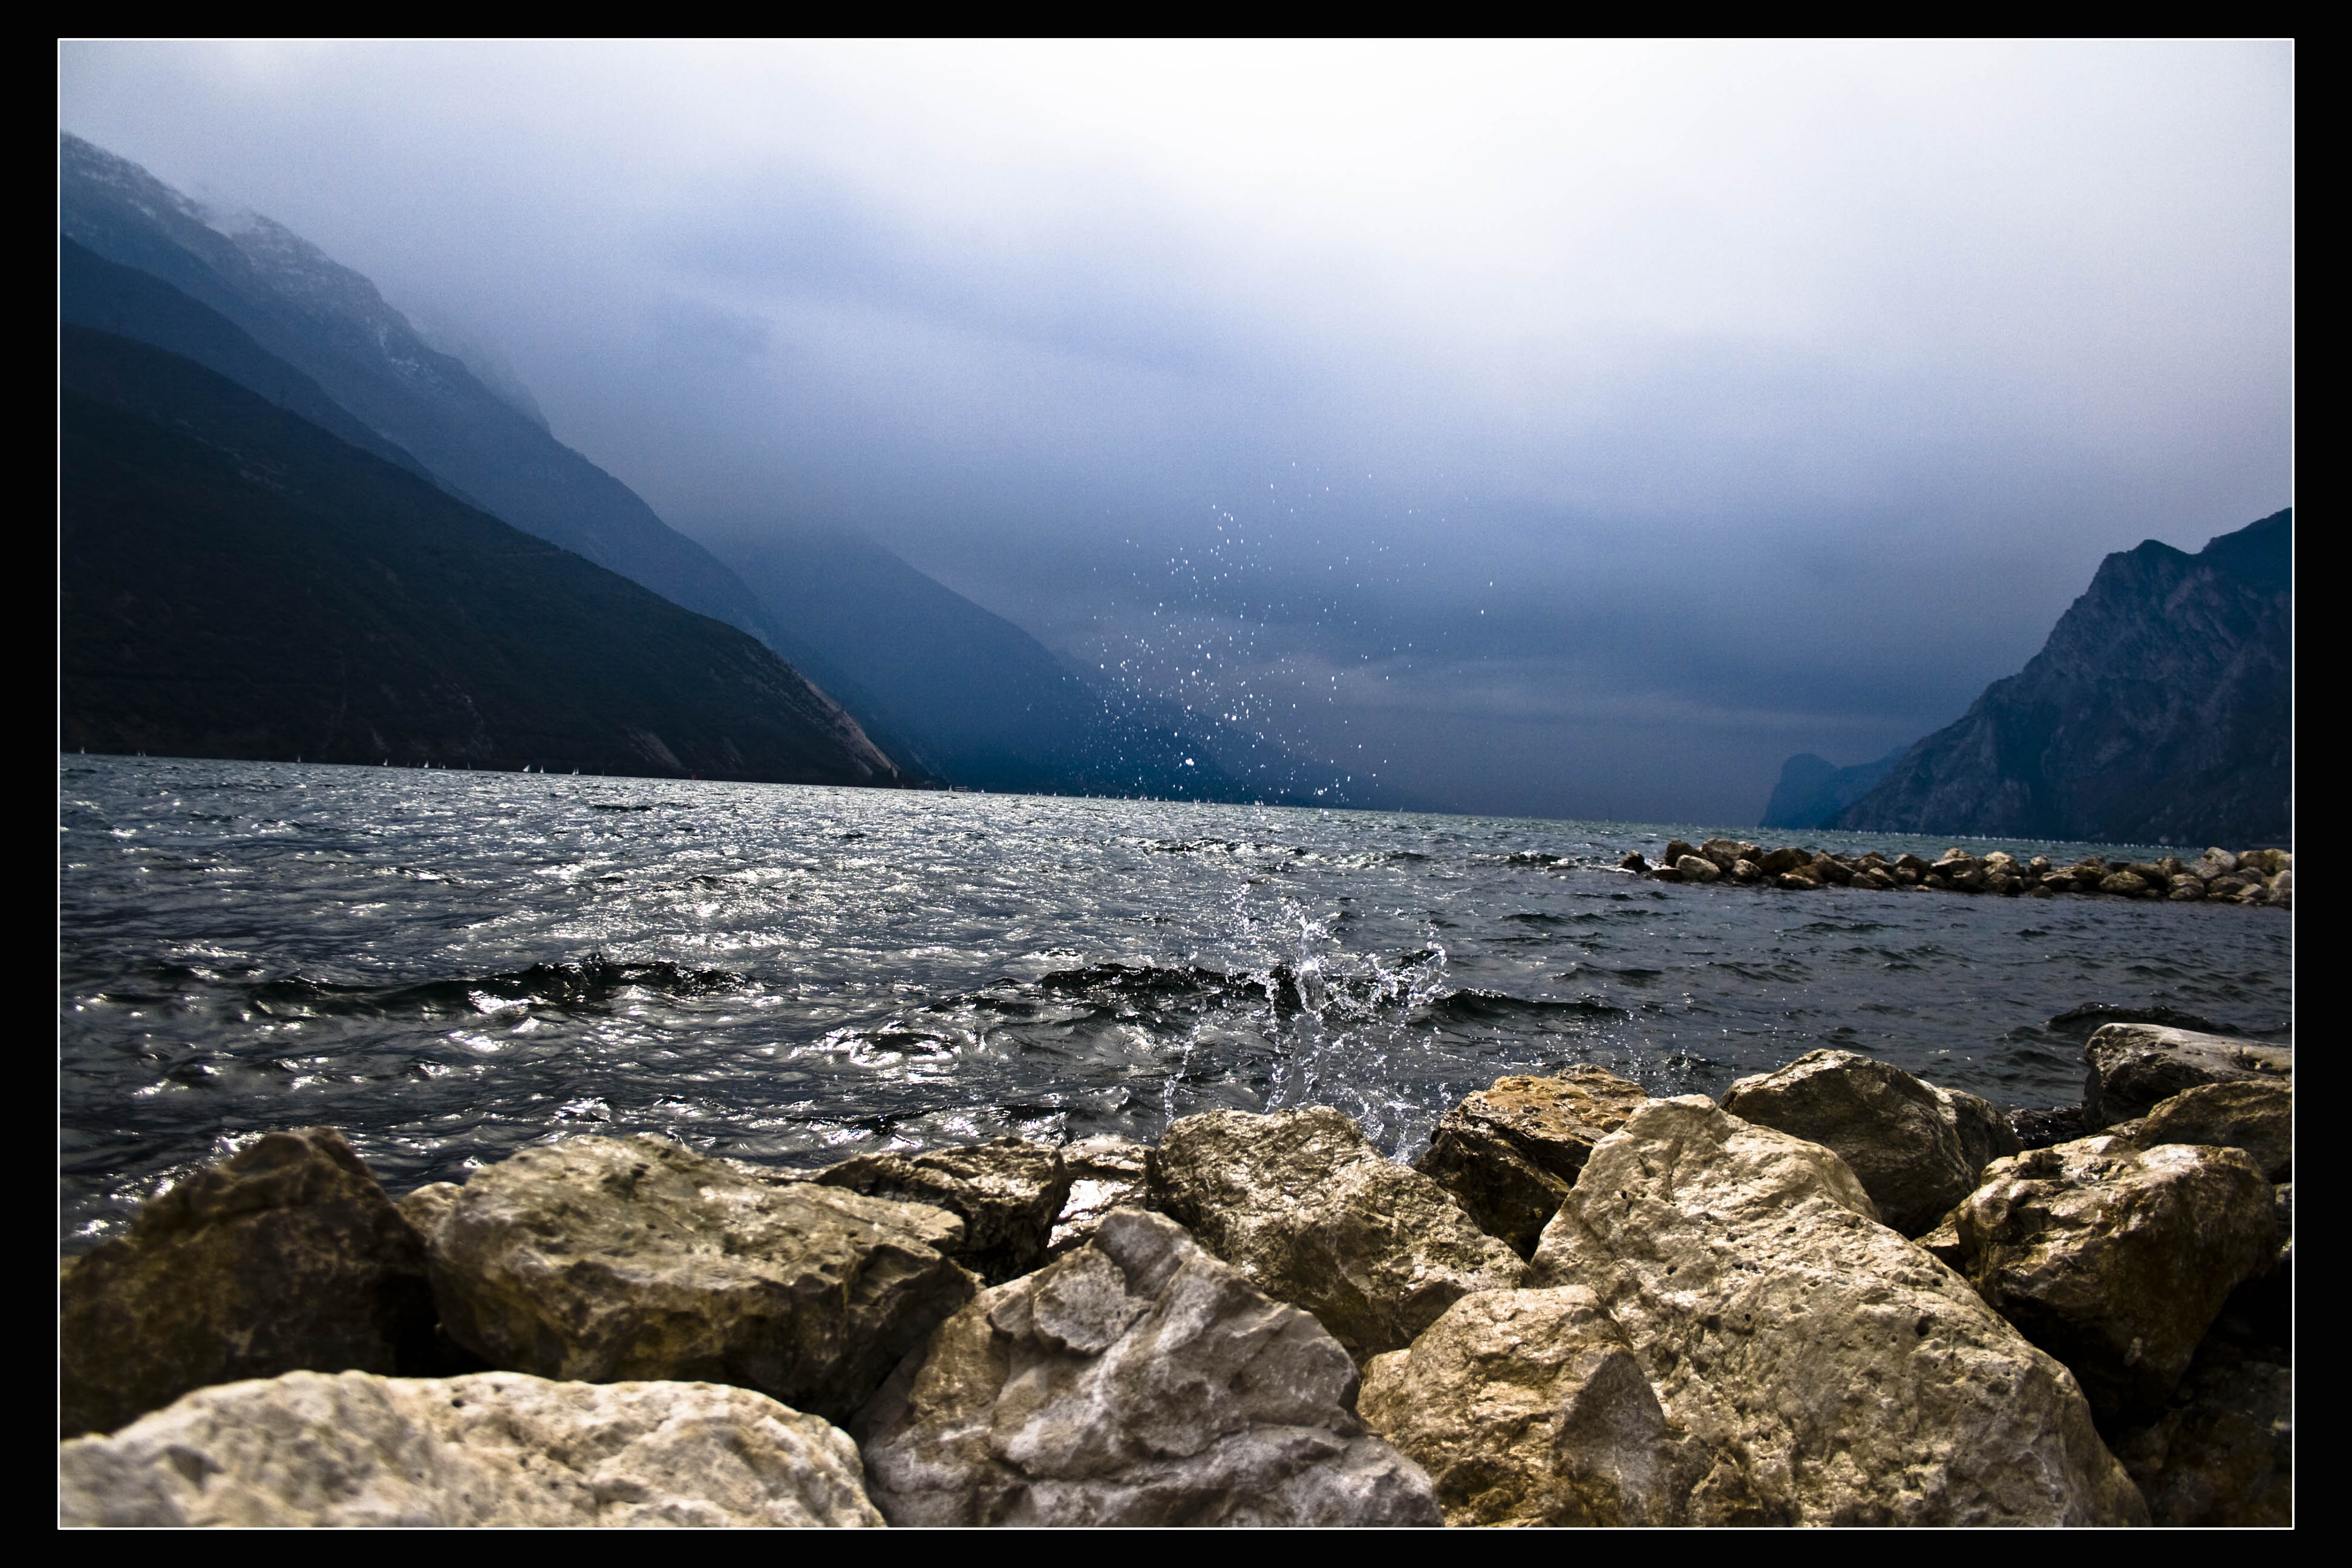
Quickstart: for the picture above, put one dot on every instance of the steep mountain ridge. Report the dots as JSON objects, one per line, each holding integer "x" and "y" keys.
{"x": 237, "y": 582}
{"x": 332, "y": 324}
{"x": 1813, "y": 789}
{"x": 2159, "y": 711}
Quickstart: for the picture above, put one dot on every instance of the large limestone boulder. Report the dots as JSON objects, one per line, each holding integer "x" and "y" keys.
{"x": 1312, "y": 1213}
{"x": 2116, "y": 1260}
{"x": 1106, "y": 1172}
{"x": 1008, "y": 1194}
{"x": 612, "y": 1259}
{"x": 2136, "y": 1065}
{"x": 1860, "y": 1381}
{"x": 1509, "y": 1153}
{"x": 1916, "y": 1148}
{"x": 495, "y": 1448}
{"x": 2256, "y": 1115}
{"x": 1529, "y": 1408}
{"x": 288, "y": 1255}
{"x": 1137, "y": 1381}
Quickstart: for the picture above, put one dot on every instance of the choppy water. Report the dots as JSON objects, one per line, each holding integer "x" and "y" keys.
{"x": 450, "y": 965}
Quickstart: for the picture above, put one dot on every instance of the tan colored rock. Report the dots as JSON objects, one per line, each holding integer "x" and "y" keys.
{"x": 2256, "y": 1115}
{"x": 2214, "y": 862}
{"x": 1137, "y": 1381}
{"x": 1916, "y": 1148}
{"x": 1508, "y": 1152}
{"x": 1008, "y": 1193}
{"x": 2134, "y": 1066}
{"x": 429, "y": 1205}
{"x": 1106, "y": 1173}
{"x": 1698, "y": 868}
{"x": 1312, "y": 1213}
{"x": 2116, "y": 1260}
{"x": 1728, "y": 853}
{"x": 1747, "y": 871}
{"x": 2124, "y": 884}
{"x": 1529, "y": 1408}
{"x": 1675, "y": 850}
{"x": 614, "y": 1260}
{"x": 288, "y": 1255}
{"x": 494, "y": 1448}
{"x": 1858, "y": 1380}
{"x": 1778, "y": 862}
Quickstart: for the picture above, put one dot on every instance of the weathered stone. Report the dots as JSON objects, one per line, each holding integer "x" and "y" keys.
{"x": 1913, "y": 863}
{"x": 1137, "y": 1381}
{"x": 2125, "y": 884}
{"x": 1801, "y": 881}
{"x": 2134, "y": 1066}
{"x": 2282, "y": 889}
{"x": 288, "y": 1255}
{"x": 1529, "y": 1408}
{"x": 2185, "y": 888}
{"x": 1106, "y": 1173}
{"x": 495, "y": 1448}
{"x": 1312, "y": 1214}
{"x": 2214, "y": 862}
{"x": 1916, "y": 1148}
{"x": 1746, "y": 871}
{"x": 1008, "y": 1194}
{"x": 2256, "y": 1115}
{"x": 1633, "y": 862}
{"x": 1829, "y": 869}
{"x": 1728, "y": 852}
{"x": 1697, "y": 868}
{"x": 2041, "y": 1126}
{"x": 1508, "y": 1152}
{"x": 2223, "y": 1454}
{"x": 1877, "y": 877}
{"x": 1780, "y": 861}
{"x": 1675, "y": 850}
{"x": 428, "y": 1205}
{"x": 2116, "y": 1260}
{"x": 1861, "y": 1381}
{"x": 609, "y": 1259}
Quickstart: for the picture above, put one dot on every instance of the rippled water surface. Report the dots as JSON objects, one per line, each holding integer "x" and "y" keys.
{"x": 450, "y": 965}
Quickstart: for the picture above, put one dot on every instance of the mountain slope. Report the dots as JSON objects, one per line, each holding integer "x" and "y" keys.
{"x": 1814, "y": 789}
{"x": 238, "y": 582}
{"x": 330, "y": 324}
{"x": 94, "y": 293}
{"x": 2160, "y": 710}
{"x": 954, "y": 688}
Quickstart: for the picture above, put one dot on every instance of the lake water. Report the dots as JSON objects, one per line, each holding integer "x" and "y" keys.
{"x": 452, "y": 965}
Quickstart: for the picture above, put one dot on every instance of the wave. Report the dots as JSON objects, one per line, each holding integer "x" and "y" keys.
{"x": 589, "y": 983}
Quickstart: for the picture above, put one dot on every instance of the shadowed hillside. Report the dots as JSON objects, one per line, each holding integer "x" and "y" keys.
{"x": 238, "y": 583}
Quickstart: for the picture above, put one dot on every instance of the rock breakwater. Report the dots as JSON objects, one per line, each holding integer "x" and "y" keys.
{"x": 1723, "y": 1318}
{"x": 2255, "y": 876}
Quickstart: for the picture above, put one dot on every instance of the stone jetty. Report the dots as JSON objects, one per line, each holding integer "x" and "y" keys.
{"x": 2262, "y": 877}
{"x": 1841, "y": 1296}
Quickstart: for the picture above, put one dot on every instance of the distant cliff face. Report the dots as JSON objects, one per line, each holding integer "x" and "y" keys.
{"x": 2158, "y": 712}
{"x": 1814, "y": 789}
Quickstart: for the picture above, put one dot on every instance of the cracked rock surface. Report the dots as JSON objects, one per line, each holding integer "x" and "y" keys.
{"x": 492, "y": 1448}
{"x": 1137, "y": 1381}
{"x": 1852, "y": 1377}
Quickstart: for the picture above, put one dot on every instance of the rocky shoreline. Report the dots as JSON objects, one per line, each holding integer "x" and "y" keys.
{"x": 1841, "y": 1296}
{"x": 2257, "y": 876}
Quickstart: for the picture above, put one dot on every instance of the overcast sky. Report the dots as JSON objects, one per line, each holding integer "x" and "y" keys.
{"x": 1578, "y": 430}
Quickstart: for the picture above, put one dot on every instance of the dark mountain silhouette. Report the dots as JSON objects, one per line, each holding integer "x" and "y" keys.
{"x": 2160, "y": 711}
{"x": 959, "y": 691}
{"x": 330, "y": 324}
{"x": 237, "y": 582}
{"x": 94, "y": 293}
{"x": 1814, "y": 789}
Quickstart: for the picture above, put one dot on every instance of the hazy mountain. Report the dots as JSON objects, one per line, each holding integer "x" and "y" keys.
{"x": 957, "y": 691}
{"x": 1814, "y": 789}
{"x": 94, "y": 293}
{"x": 2160, "y": 711}
{"x": 330, "y": 324}
{"x": 237, "y": 582}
